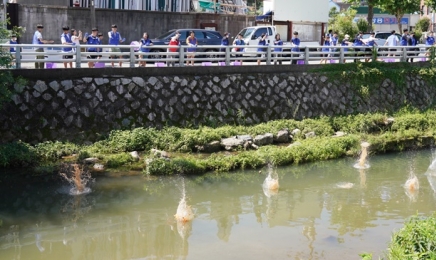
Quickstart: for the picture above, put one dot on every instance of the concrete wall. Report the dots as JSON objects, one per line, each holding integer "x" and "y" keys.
{"x": 83, "y": 104}
{"x": 131, "y": 24}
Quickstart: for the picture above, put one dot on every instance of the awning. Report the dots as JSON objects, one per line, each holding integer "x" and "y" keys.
{"x": 267, "y": 15}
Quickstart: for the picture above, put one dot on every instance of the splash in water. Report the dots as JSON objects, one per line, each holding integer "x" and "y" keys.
{"x": 270, "y": 185}
{"x": 184, "y": 211}
{"x": 77, "y": 177}
{"x": 412, "y": 184}
{"x": 345, "y": 185}
{"x": 362, "y": 163}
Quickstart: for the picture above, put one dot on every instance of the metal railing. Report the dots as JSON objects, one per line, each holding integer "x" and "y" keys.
{"x": 210, "y": 54}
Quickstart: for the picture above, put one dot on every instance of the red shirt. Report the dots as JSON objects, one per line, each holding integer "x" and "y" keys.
{"x": 174, "y": 42}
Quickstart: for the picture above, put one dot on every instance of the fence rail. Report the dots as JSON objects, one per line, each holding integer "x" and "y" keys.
{"x": 221, "y": 55}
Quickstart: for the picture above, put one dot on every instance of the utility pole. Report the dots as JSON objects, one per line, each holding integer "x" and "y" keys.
{"x": 92, "y": 14}
{"x": 4, "y": 14}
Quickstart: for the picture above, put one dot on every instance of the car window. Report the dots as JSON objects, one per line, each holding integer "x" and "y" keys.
{"x": 210, "y": 35}
{"x": 259, "y": 32}
{"x": 199, "y": 35}
{"x": 383, "y": 36}
{"x": 183, "y": 35}
{"x": 270, "y": 31}
{"x": 166, "y": 35}
{"x": 246, "y": 32}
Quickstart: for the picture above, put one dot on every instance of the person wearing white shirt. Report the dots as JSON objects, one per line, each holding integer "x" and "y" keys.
{"x": 392, "y": 41}
{"x": 37, "y": 39}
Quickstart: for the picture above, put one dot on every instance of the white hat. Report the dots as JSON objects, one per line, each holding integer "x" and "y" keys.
{"x": 347, "y": 36}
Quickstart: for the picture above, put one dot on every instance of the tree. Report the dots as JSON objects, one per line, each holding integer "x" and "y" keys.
{"x": 371, "y": 4}
{"x": 399, "y": 8}
{"x": 343, "y": 23}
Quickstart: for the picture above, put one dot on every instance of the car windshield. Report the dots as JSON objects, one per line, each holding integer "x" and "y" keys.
{"x": 246, "y": 32}
{"x": 165, "y": 35}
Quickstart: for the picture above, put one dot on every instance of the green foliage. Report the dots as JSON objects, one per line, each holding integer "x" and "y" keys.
{"x": 416, "y": 240}
{"x": 343, "y": 23}
{"x": 362, "y": 25}
{"x": 423, "y": 24}
{"x": 17, "y": 154}
{"x": 53, "y": 151}
{"x": 117, "y": 160}
{"x": 399, "y": 7}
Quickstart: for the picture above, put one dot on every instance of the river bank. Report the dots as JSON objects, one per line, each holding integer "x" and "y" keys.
{"x": 175, "y": 150}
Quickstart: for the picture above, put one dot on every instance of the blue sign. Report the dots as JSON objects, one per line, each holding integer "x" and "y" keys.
{"x": 386, "y": 20}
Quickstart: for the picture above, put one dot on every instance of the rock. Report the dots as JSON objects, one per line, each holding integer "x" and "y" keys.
{"x": 296, "y": 132}
{"x": 211, "y": 147}
{"x": 159, "y": 153}
{"x": 294, "y": 144}
{"x": 98, "y": 167}
{"x": 231, "y": 143}
{"x": 282, "y": 136}
{"x": 90, "y": 160}
{"x": 339, "y": 134}
{"x": 244, "y": 137}
{"x": 255, "y": 147}
{"x": 265, "y": 139}
{"x": 310, "y": 135}
{"x": 389, "y": 121}
{"x": 135, "y": 155}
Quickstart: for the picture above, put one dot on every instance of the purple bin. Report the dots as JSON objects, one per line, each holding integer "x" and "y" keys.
{"x": 50, "y": 65}
{"x": 300, "y": 62}
{"x": 206, "y": 63}
{"x": 99, "y": 65}
{"x": 221, "y": 63}
{"x": 159, "y": 64}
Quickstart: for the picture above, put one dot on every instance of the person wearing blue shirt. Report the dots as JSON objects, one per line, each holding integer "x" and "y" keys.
{"x": 326, "y": 49}
{"x": 13, "y": 50}
{"x": 144, "y": 42}
{"x": 278, "y": 50}
{"x": 37, "y": 39}
{"x": 358, "y": 41}
{"x": 371, "y": 43}
{"x": 66, "y": 40}
{"x": 295, "y": 47}
{"x": 412, "y": 41}
{"x": 404, "y": 37}
{"x": 346, "y": 42}
{"x": 262, "y": 42}
{"x": 239, "y": 42}
{"x": 429, "y": 41}
{"x": 225, "y": 42}
{"x": 92, "y": 40}
{"x": 115, "y": 39}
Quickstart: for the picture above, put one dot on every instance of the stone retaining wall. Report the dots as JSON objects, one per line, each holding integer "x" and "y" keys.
{"x": 83, "y": 104}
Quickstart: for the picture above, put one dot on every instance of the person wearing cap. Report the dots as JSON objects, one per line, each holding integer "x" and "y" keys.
{"x": 115, "y": 39}
{"x": 392, "y": 41}
{"x": 173, "y": 42}
{"x": 295, "y": 42}
{"x": 346, "y": 42}
{"x": 412, "y": 41}
{"x": 37, "y": 39}
{"x": 92, "y": 40}
{"x": 66, "y": 40}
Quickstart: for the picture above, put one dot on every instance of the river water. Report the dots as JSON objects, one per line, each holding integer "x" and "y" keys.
{"x": 316, "y": 214}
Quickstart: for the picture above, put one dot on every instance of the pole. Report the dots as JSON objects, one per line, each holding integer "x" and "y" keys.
{"x": 4, "y": 14}
{"x": 92, "y": 14}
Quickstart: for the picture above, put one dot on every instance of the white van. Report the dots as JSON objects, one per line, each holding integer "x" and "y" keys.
{"x": 251, "y": 35}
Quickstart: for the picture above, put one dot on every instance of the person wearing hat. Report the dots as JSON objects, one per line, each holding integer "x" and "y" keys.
{"x": 92, "y": 40}
{"x": 295, "y": 42}
{"x": 37, "y": 39}
{"x": 412, "y": 41}
{"x": 115, "y": 39}
{"x": 346, "y": 42}
{"x": 66, "y": 40}
{"x": 392, "y": 41}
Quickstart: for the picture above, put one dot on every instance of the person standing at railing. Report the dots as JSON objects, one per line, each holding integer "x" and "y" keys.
{"x": 37, "y": 39}
{"x": 144, "y": 42}
{"x": 92, "y": 40}
{"x": 225, "y": 42}
{"x": 13, "y": 50}
{"x": 346, "y": 42}
{"x": 239, "y": 42}
{"x": 412, "y": 41}
{"x": 392, "y": 41}
{"x": 67, "y": 40}
{"x": 192, "y": 42}
{"x": 115, "y": 39}
{"x": 325, "y": 49}
{"x": 404, "y": 37}
{"x": 358, "y": 41}
{"x": 429, "y": 41}
{"x": 295, "y": 47}
{"x": 173, "y": 51}
{"x": 261, "y": 42}
{"x": 100, "y": 42}
{"x": 277, "y": 50}
{"x": 371, "y": 43}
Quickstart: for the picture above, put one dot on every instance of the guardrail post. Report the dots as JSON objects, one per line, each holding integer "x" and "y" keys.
{"x": 228, "y": 49}
{"x": 404, "y": 58}
{"x": 132, "y": 57}
{"x": 268, "y": 55}
{"x": 181, "y": 56}
{"x": 18, "y": 58}
{"x": 78, "y": 58}
{"x": 341, "y": 55}
{"x": 306, "y": 55}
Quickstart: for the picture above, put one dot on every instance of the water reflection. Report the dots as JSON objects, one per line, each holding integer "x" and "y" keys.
{"x": 132, "y": 217}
